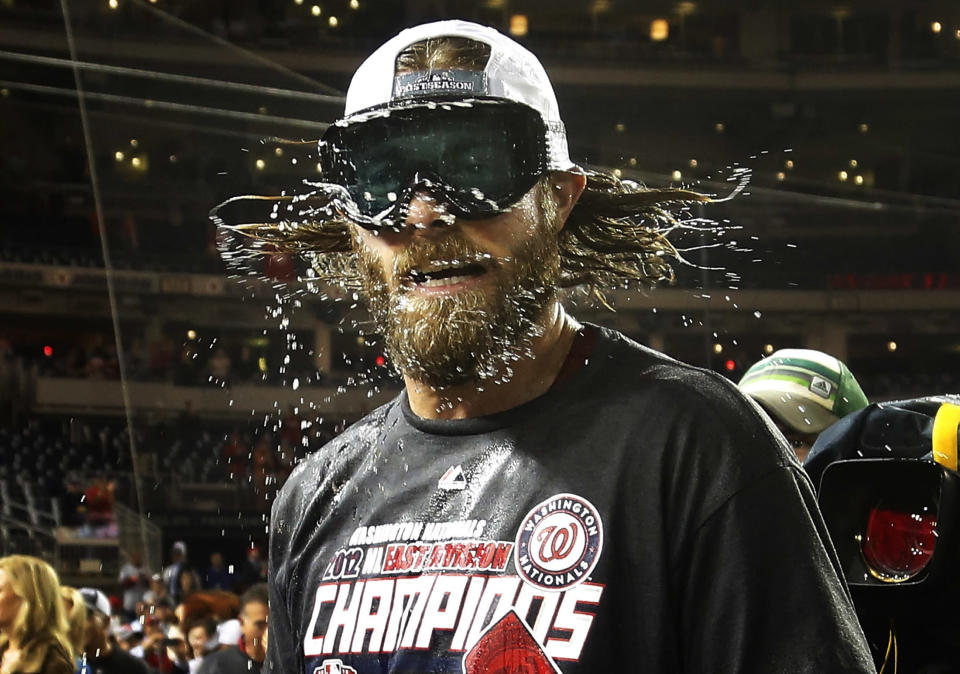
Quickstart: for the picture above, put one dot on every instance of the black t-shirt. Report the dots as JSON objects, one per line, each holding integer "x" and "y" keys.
{"x": 118, "y": 661}
{"x": 229, "y": 661}
{"x": 639, "y": 516}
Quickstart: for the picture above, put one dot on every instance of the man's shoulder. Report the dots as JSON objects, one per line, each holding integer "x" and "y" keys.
{"x": 124, "y": 662}
{"x": 226, "y": 660}
{"x": 631, "y": 365}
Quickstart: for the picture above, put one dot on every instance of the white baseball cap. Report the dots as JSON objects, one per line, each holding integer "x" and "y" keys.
{"x": 229, "y": 632}
{"x": 95, "y": 600}
{"x": 512, "y": 73}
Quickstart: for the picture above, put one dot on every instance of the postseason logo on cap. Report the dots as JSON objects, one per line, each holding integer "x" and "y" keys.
{"x": 439, "y": 82}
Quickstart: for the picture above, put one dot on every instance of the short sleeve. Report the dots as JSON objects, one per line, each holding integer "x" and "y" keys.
{"x": 762, "y": 589}
{"x": 284, "y": 645}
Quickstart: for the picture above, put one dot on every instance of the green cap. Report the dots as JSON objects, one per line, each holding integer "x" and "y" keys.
{"x": 804, "y": 389}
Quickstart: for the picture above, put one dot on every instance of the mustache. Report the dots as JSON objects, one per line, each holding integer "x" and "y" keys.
{"x": 422, "y": 253}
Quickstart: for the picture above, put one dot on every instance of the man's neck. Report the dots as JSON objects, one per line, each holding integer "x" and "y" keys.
{"x": 532, "y": 376}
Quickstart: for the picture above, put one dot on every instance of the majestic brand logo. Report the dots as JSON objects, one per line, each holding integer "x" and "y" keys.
{"x": 453, "y": 479}
{"x": 334, "y": 667}
{"x": 559, "y": 542}
{"x": 820, "y": 386}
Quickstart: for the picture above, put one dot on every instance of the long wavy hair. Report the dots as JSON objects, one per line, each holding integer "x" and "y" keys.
{"x": 41, "y": 622}
{"x": 616, "y": 233}
{"x": 76, "y": 612}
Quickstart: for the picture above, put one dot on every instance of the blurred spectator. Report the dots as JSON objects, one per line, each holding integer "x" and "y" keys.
{"x": 129, "y": 636}
{"x": 71, "y": 503}
{"x": 202, "y": 639}
{"x": 177, "y": 650}
{"x": 248, "y": 654}
{"x": 158, "y": 593}
{"x": 228, "y": 634}
{"x": 173, "y": 571}
{"x": 247, "y": 368}
{"x": 804, "y": 391}
{"x": 134, "y": 580}
{"x": 218, "y": 367}
{"x": 254, "y": 569}
{"x": 189, "y": 583}
{"x": 235, "y": 454}
{"x": 215, "y": 604}
{"x": 217, "y": 577}
{"x": 188, "y": 368}
{"x": 33, "y": 623}
{"x": 291, "y": 431}
{"x": 76, "y": 611}
{"x": 152, "y": 650}
{"x": 263, "y": 471}
{"x": 98, "y": 499}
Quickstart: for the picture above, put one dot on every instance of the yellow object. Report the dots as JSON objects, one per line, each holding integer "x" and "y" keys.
{"x": 945, "y": 435}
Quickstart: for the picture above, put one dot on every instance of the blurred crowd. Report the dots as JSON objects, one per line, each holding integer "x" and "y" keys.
{"x": 190, "y": 363}
{"x": 76, "y": 469}
{"x": 175, "y": 621}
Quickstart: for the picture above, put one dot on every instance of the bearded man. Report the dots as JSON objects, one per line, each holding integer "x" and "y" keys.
{"x": 544, "y": 495}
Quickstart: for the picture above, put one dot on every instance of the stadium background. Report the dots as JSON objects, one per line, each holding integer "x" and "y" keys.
{"x": 117, "y": 313}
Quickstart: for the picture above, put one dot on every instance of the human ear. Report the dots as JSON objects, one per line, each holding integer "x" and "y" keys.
{"x": 566, "y": 188}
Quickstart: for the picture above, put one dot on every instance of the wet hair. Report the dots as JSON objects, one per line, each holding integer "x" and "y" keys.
{"x": 615, "y": 234}
{"x": 450, "y": 53}
{"x": 41, "y": 622}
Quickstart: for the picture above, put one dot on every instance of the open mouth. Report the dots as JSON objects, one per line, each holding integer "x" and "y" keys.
{"x": 444, "y": 275}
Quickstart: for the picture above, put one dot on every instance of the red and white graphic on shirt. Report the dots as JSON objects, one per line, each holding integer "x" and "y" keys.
{"x": 444, "y": 585}
{"x": 508, "y": 647}
{"x": 334, "y": 667}
{"x": 385, "y": 615}
{"x": 559, "y": 542}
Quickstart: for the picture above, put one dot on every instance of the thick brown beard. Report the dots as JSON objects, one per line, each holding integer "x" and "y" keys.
{"x": 472, "y": 335}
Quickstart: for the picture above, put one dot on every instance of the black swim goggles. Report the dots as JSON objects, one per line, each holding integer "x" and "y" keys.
{"x": 477, "y": 156}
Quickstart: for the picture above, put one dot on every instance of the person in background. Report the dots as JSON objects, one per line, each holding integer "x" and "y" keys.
{"x": 71, "y": 500}
{"x": 254, "y": 568}
{"x": 102, "y": 654}
{"x": 215, "y": 604}
{"x": 134, "y": 581}
{"x": 157, "y": 593}
{"x": 235, "y": 453}
{"x": 218, "y": 367}
{"x": 228, "y": 634}
{"x": 218, "y": 576}
{"x": 189, "y": 584}
{"x": 129, "y": 636}
{"x": 98, "y": 498}
{"x": 804, "y": 392}
{"x": 249, "y": 653}
{"x": 177, "y": 650}
{"x": 202, "y": 638}
{"x": 33, "y": 621}
{"x": 76, "y": 612}
{"x": 172, "y": 572}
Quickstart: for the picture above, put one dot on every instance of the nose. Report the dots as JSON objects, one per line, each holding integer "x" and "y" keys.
{"x": 427, "y": 214}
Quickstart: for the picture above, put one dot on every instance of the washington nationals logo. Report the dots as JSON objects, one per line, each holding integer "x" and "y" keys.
{"x": 559, "y": 542}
